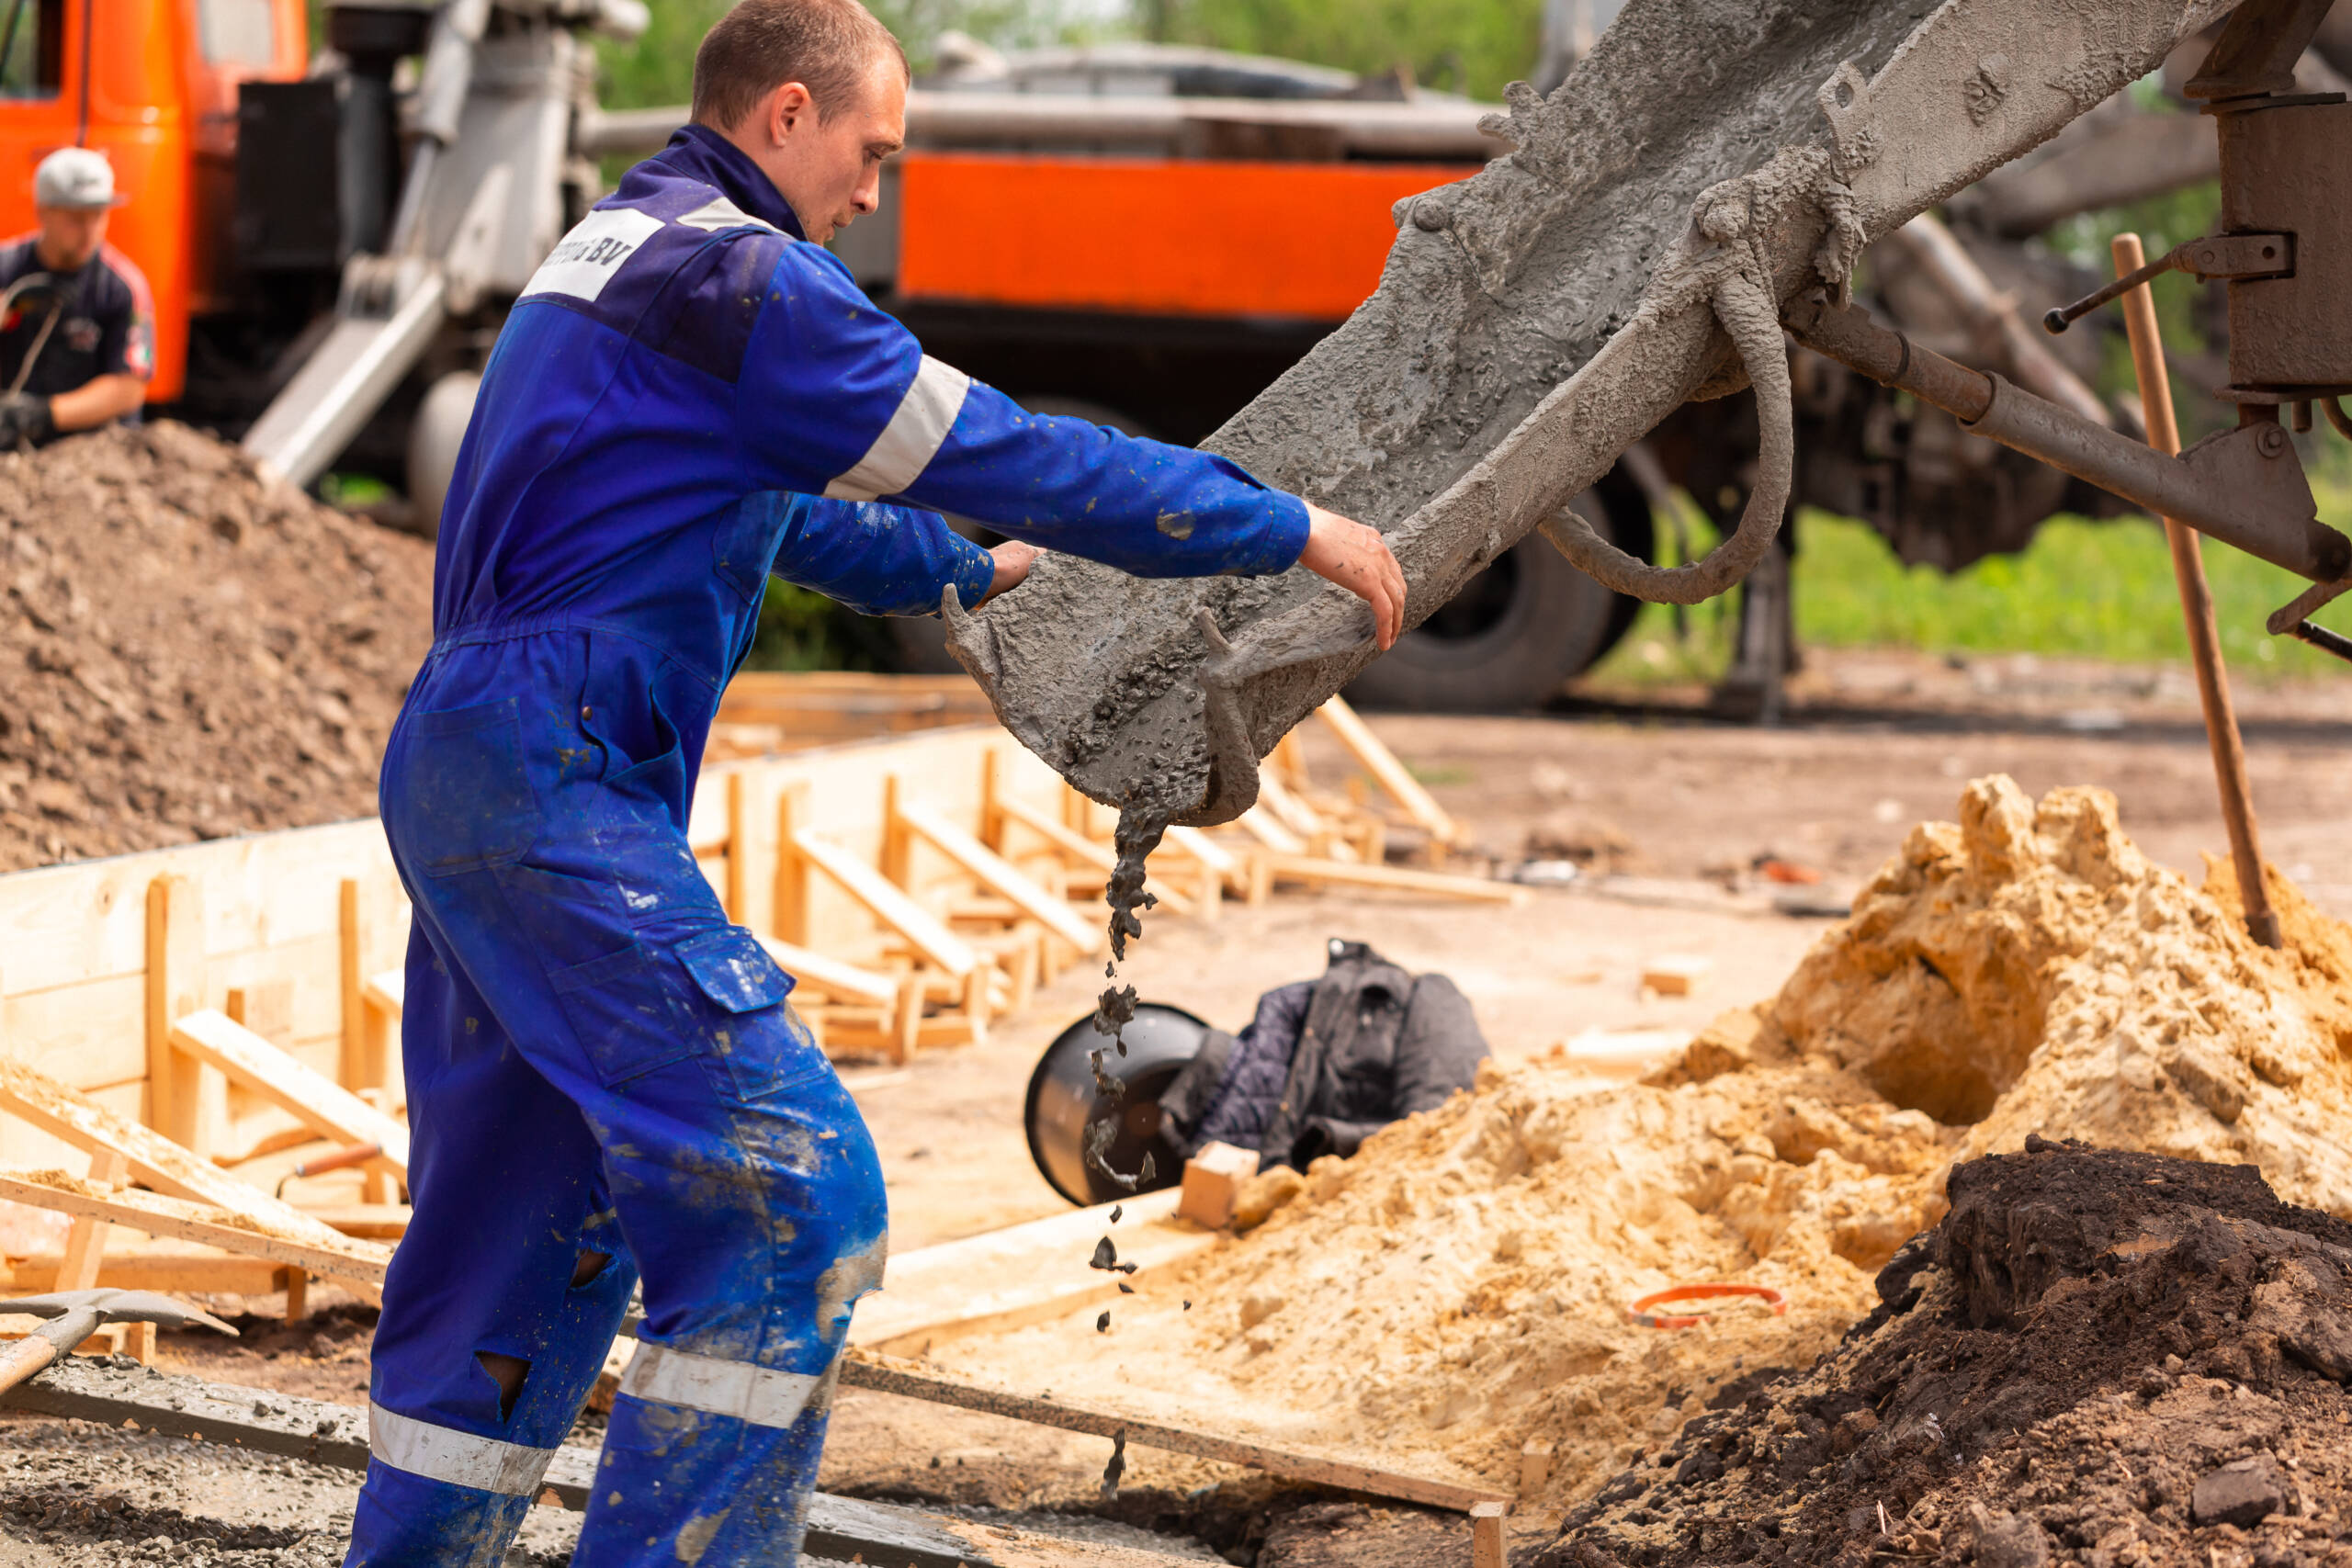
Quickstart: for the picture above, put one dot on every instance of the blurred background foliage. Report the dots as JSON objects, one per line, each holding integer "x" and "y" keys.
{"x": 1468, "y": 46}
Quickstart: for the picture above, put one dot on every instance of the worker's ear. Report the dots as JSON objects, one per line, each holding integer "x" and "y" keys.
{"x": 789, "y": 108}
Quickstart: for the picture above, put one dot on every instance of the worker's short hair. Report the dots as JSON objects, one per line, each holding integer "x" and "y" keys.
{"x": 826, "y": 45}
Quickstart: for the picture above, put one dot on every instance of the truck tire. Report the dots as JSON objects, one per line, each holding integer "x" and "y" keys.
{"x": 1517, "y": 630}
{"x": 921, "y": 640}
{"x": 433, "y": 437}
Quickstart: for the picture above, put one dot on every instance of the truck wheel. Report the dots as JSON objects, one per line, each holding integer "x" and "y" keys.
{"x": 1517, "y": 630}
{"x": 433, "y": 437}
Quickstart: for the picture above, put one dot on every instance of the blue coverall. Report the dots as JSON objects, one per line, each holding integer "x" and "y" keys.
{"x": 604, "y": 1077}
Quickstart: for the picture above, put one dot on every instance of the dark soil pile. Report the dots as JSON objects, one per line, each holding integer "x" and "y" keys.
{"x": 186, "y": 651}
{"x": 2096, "y": 1356}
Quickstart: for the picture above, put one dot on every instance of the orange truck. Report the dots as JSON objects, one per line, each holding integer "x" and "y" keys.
{"x": 1146, "y": 234}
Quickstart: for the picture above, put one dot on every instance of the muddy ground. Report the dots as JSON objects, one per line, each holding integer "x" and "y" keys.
{"x": 1874, "y": 742}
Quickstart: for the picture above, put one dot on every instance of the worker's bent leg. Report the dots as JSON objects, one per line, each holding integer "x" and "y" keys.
{"x": 757, "y": 1233}
{"x": 502, "y": 1298}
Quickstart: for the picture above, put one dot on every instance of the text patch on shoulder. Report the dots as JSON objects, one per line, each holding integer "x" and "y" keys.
{"x": 586, "y": 259}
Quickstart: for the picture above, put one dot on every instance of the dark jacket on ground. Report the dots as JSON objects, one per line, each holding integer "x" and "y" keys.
{"x": 1326, "y": 1063}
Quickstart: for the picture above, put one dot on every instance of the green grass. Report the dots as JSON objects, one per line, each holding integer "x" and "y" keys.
{"x": 2094, "y": 590}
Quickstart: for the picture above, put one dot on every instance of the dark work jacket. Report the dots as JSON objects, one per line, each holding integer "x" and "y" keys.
{"x": 1327, "y": 1063}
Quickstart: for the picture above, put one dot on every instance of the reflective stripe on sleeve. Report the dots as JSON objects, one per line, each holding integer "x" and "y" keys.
{"x": 911, "y": 439}
{"x": 761, "y": 1395}
{"x": 459, "y": 1459}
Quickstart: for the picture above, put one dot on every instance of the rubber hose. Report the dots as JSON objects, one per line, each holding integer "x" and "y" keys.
{"x": 1749, "y": 314}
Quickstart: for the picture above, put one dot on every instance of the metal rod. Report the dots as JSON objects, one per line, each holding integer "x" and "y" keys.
{"x": 2197, "y": 604}
{"x": 2326, "y": 641}
{"x": 2060, "y": 318}
{"x": 2337, "y": 417}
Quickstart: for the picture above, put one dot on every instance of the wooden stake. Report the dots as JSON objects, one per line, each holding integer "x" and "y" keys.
{"x": 298, "y": 1295}
{"x": 86, "y": 1239}
{"x": 175, "y": 1093}
{"x": 739, "y": 877}
{"x": 352, "y": 1067}
{"x": 791, "y": 871}
{"x": 1486, "y": 1535}
{"x": 1534, "y": 1469}
{"x": 2197, "y": 610}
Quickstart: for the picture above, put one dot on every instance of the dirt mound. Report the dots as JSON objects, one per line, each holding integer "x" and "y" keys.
{"x": 2110, "y": 1357}
{"x": 1459, "y": 1287}
{"x": 2027, "y": 970}
{"x": 191, "y": 652}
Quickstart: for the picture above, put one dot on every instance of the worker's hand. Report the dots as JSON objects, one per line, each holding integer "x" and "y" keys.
{"x": 1013, "y": 560}
{"x": 1358, "y": 559}
{"x": 24, "y": 417}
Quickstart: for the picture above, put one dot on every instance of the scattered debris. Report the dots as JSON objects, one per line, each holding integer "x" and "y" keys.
{"x": 1103, "y": 1323}
{"x": 1676, "y": 975}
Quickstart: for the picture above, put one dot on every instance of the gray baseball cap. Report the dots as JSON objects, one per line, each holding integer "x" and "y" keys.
{"x": 75, "y": 176}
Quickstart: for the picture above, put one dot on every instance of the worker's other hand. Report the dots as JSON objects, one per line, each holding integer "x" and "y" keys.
{"x": 1358, "y": 559}
{"x": 1013, "y": 560}
{"x": 24, "y": 417}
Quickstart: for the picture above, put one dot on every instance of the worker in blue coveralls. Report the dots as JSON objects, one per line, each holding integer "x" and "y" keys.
{"x": 604, "y": 1077}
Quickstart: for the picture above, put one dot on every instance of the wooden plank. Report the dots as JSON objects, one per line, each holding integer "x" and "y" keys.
{"x": 1091, "y": 854}
{"x": 998, "y": 875}
{"x": 1020, "y": 1274}
{"x": 64, "y": 925}
{"x": 1294, "y": 813}
{"x": 377, "y": 1222}
{"x": 86, "y": 1034}
{"x": 863, "y": 1369}
{"x": 154, "y": 1159}
{"x": 309, "y": 1098}
{"x": 888, "y": 903}
{"x": 1388, "y": 771}
{"x": 345, "y": 1257}
{"x": 1205, "y": 850}
{"x": 152, "y": 1268}
{"x": 1263, "y": 826}
{"x": 1399, "y": 879}
{"x": 842, "y": 981}
{"x": 387, "y": 991}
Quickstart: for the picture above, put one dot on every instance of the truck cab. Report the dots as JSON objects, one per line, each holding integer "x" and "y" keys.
{"x": 153, "y": 84}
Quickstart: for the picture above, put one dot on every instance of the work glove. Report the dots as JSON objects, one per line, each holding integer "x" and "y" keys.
{"x": 24, "y": 417}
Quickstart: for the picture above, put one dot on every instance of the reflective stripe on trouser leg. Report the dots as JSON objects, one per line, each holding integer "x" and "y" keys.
{"x": 682, "y": 1481}
{"x": 454, "y": 1458}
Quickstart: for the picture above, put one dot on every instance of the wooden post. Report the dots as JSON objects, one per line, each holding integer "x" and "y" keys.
{"x": 896, "y": 840}
{"x": 791, "y": 871}
{"x": 297, "y": 1295}
{"x": 738, "y": 871}
{"x": 85, "y": 1240}
{"x": 2197, "y": 610}
{"x": 992, "y": 786}
{"x": 906, "y": 1025}
{"x": 1486, "y": 1535}
{"x": 1534, "y": 1469}
{"x": 175, "y": 1093}
{"x": 351, "y": 1064}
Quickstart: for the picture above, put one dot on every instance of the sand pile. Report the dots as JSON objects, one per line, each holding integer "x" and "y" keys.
{"x": 189, "y": 652}
{"x": 2134, "y": 1359}
{"x": 1457, "y": 1287}
{"x": 2027, "y": 970}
